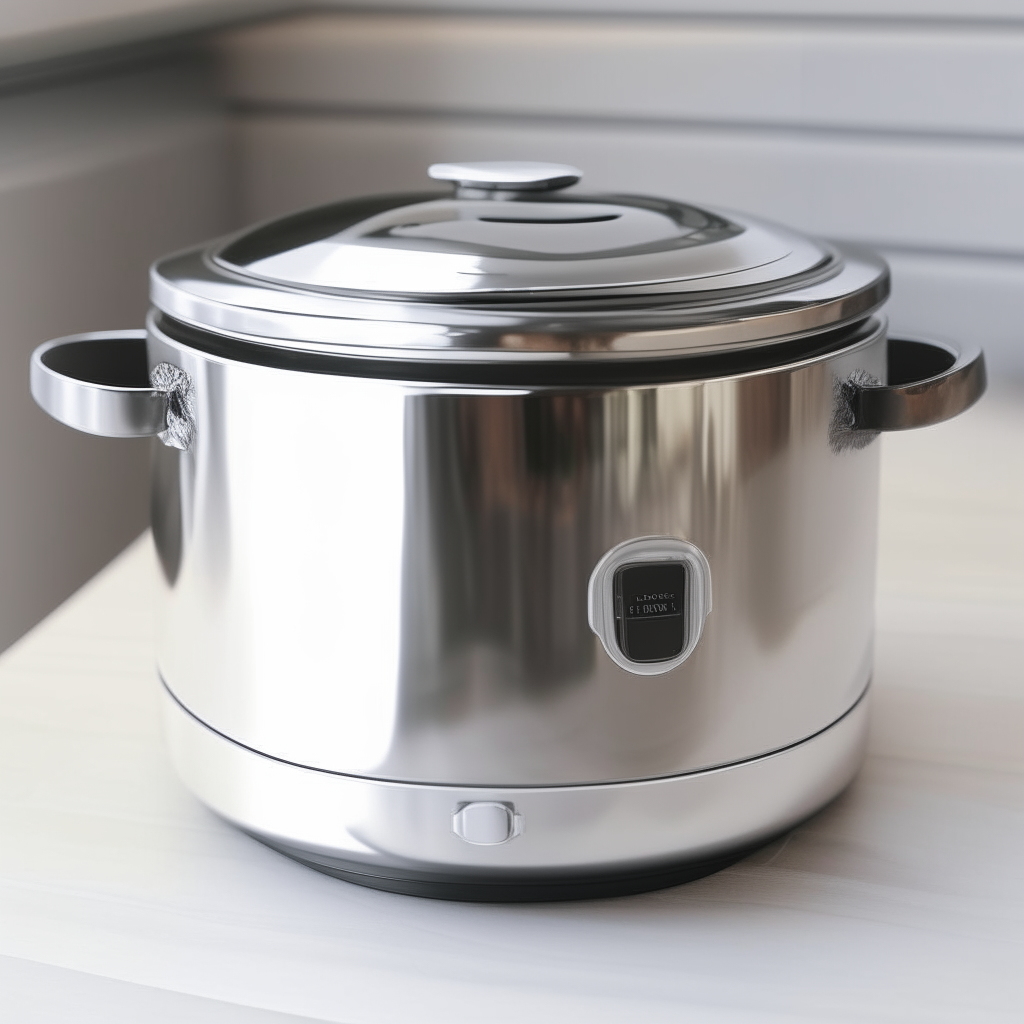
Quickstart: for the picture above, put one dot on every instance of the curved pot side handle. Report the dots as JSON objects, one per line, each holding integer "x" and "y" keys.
{"x": 929, "y": 382}
{"x": 101, "y": 384}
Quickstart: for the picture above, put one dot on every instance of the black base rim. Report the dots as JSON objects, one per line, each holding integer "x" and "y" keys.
{"x": 516, "y": 889}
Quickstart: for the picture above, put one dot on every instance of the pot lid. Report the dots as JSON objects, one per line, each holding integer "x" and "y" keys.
{"x": 516, "y": 260}
{"x": 513, "y": 229}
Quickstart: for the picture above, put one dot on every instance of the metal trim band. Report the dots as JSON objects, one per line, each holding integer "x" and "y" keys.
{"x": 543, "y": 373}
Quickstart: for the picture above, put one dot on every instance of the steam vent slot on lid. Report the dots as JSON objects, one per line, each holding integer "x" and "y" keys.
{"x": 650, "y": 620}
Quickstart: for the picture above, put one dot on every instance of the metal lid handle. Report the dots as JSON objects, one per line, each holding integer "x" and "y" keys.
{"x": 507, "y": 175}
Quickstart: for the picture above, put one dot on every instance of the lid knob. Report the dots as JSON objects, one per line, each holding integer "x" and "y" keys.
{"x": 507, "y": 175}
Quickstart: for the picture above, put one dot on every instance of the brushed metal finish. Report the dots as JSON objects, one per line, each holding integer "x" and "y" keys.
{"x": 90, "y": 405}
{"x": 389, "y": 579}
{"x": 931, "y": 395}
{"x": 374, "y": 826}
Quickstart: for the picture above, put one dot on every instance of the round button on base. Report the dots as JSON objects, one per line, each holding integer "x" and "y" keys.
{"x": 486, "y": 823}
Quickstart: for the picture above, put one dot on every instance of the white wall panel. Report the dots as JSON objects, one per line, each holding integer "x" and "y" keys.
{"x": 914, "y": 78}
{"x": 97, "y": 178}
{"x": 952, "y": 297}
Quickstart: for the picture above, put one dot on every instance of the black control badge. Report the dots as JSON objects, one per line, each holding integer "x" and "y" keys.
{"x": 650, "y": 621}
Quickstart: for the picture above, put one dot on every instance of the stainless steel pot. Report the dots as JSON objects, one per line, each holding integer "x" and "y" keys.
{"x": 518, "y": 543}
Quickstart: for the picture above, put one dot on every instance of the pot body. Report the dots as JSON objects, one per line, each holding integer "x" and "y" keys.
{"x": 388, "y": 580}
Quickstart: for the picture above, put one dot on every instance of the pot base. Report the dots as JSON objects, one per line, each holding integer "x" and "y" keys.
{"x": 516, "y": 844}
{"x": 521, "y": 889}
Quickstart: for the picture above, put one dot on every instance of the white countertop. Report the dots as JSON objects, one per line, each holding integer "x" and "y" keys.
{"x": 122, "y": 899}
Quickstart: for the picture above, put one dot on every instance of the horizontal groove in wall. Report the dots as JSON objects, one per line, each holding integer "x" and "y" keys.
{"x": 926, "y": 80}
{"x": 77, "y": 68}
{"x": 998, "y": 270}
{"x": 297, "y": 109}
{"x": 997, "y": 262}
{"x": 37, "y": 38}
{"x": 856, "y": 11}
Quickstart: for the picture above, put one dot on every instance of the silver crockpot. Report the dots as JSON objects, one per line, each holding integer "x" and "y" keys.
{"x": 518, "y": 542}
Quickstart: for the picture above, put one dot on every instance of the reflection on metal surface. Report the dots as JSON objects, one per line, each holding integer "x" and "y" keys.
{"x": 848, "y": 285}
{"x": 495, "y": 490}
{"x": 516, "y": 238}
{"x": 927, "y": 382}
{"x": 393, "y": 581}
{"x": 459, "y": 247}
{"x": 99, "y": 383}
{"x": 165, "y": 509}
